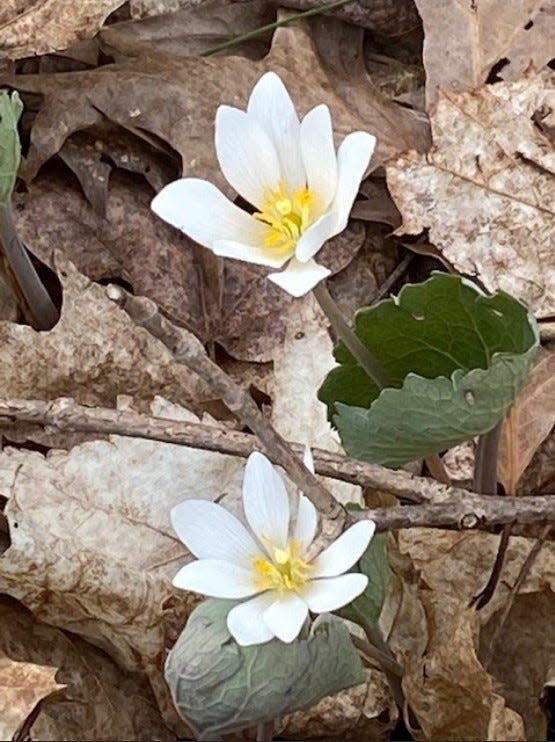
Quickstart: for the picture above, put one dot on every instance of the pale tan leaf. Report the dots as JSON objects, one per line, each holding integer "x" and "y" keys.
{"x": 93, "y": 354}
{"x": 464, "y": 41}
{"x": 486, "y": 189}
{"x": 366, "y": 711}
{"x": 23, "y": 685}
{"x": 92, "y": 549}
{"x": 30, "y": 27}
{"x": 100, "y": 700}
{"x": 528, "y": 423}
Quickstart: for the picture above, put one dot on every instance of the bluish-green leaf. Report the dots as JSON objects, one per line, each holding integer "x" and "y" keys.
{"x": 220, "y": 687}
{"x": 456, "y": 359}
{"x": 374, "y": 563}
{"x": 10, "y": 148}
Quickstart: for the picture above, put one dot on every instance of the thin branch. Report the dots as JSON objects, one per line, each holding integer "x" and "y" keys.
{"x": 466, "y": 511}
{"x": 449, "y": 507}
{"x": 189, "y": 351}
{"x": 66, "y": 415}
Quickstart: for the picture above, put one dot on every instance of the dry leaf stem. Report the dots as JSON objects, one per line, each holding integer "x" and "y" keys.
{"x": 485, "y": 483}
{"x": 189, "y": 351}
{"x": 523, "y": 573}
{"x": 36, "y": 304}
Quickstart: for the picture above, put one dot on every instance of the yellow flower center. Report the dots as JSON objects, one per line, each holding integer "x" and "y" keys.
{"x": 287, "y": 217}
{"x": 286, "y": 572}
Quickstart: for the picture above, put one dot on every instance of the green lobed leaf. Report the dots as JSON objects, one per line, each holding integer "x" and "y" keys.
{"x": 374, "y": 563}
{"x": 220, "y": 687}
{"x": 10, "y": 148}
{"x": 456, "y": 359}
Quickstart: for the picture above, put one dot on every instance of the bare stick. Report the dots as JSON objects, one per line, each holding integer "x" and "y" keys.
{"x": 448, "y": 507}
{"x": 189, "y": 351}
{"x": 522, "y": 575}
{"x": 66, "y": 415}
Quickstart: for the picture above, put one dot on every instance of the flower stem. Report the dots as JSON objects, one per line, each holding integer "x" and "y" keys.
{"x": 363, "y": 355}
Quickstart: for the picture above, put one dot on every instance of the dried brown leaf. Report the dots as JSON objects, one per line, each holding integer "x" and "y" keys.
{"x": 93, "y": 354}
{"x": 100, "y": 701}
{"x": 175, "y": 100}
{"x": 487, "y": 188}
{"x": 528, "y": 423}
{"x": 455, "y": 566}
{"x": 39, "y": 26}
{"x": 366, "y": 711}
{"x": 448, "y": 690}
{"x": 184, "y": 28}
{"x": 464, "y": 41}
{"x": 23, "y": 685}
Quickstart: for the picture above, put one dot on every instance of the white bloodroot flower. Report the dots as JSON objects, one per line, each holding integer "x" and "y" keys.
{"x": 302, "y": 191}
{"x": 269, "y": 562}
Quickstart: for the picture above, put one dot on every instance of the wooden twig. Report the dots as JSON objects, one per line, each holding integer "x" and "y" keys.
{"x": 189, "y": 351}
{"x": 66, "y": 415}
{"x": 441, "y": 506}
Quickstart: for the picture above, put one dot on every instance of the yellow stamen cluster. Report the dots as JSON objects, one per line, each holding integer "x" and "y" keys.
{"x": 287, "y": 216}
{"x": 287, "y": 571}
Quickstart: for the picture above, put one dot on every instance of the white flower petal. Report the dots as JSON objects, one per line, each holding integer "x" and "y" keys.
{"x": 217, "y": 578}
{"x": 318, "y": 153}
{"x": 306, "y": 523}
{"x": 286, "y": 616}
{"x": 333, "y": 592}
{"x": 210, "y": 531}
{"x": 299, "y": 278}
{"x": 247, "y": 155}
{"x": 312, "y": 240}
{"x": 265, "y": 502}
{"x": 199, "y": 209}
{"x": 308, "y": 459}
{"x": 353, "y": 157}
{"x": 271, "y": 105}
{"x": 345, "y": 551}
{"x": 245, "y": 622}
{"x": 256, "y": 255}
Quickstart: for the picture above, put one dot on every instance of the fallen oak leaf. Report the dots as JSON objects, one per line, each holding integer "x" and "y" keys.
{"x": 466, "y": 41}
{"x": 42, "y": 26}
{"x": 486, "y": 189}
{"x": 175, "y": 101}
{"x": 23, "y": 687}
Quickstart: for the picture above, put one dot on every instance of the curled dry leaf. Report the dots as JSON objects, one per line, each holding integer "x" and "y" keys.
{"x": 448, "y": 690}
{"x": 102, "y": 569}
{"x": 23, "y": 685}
{"x": 100, "y": 700}
{"x": 528, "y": 422}
{"x": 466, "y": 40}
{"x": 93, "y": 354}
{"x": 30, "y": 27}
{"x": 455, "y": 566}
{"x": 486, "y": 189}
